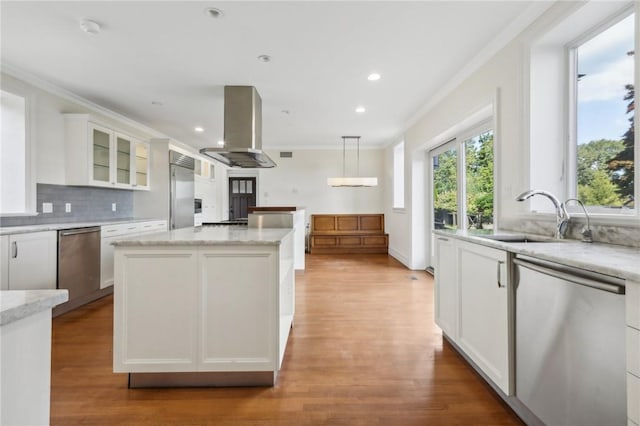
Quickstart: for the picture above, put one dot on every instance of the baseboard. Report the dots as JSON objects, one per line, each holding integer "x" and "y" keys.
{"x": 399, "y": 257}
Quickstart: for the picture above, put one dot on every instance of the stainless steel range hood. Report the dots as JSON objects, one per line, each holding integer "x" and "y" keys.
{"x": 242, "y": 130}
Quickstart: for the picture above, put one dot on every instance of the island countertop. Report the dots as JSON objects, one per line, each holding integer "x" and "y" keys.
{"x": 209, "y": 236}
{"x": 18, "y": 304}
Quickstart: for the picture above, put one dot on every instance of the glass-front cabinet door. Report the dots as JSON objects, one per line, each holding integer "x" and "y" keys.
{"x": 123, "y": 160}
{"x": 102, "y": 146}
{"x": 141, "y": 176}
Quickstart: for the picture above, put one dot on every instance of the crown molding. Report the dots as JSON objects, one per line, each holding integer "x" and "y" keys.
{"x": 65, "y": 94}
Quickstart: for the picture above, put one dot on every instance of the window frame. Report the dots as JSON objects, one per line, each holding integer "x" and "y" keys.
{"x": 546, "y": 126}
{"x": 29, "y": 208}
{"x": 571, "y": 148}
{"x": 398, "y": 195}
{"x": 458, "y": 142}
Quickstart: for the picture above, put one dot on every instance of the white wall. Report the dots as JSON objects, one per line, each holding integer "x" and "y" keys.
{"x": 302, "y": 181}
{"x": 502, "y": 80}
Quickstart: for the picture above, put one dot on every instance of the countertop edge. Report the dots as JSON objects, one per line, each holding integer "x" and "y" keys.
{"x": 25, "y": 229}
{"x": 28, "y": 302}
{"x": 188, "y": 237}
{"x": 165, "y": 243}
{"x": 552, "y": 251}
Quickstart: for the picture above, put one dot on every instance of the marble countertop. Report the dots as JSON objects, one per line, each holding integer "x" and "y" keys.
{"x": 18, "y": 304}
{"x": 275, "y": 209}
{"x": 10, "y": 230}
{"x": 209, "y": 236}
{"x": 609, "y": 259}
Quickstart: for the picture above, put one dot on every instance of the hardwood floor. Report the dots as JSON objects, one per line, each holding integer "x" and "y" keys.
{"x": 364, "y": 351}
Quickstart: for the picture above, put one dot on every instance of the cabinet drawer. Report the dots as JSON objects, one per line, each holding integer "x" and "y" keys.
{"x": 152, "y": 226}
{"x": 117, "y": 229}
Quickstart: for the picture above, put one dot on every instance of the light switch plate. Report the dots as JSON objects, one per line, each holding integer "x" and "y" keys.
{"x": 47, "y": 208}
{"x": 113, "y": 207}
{"x": 67, "y": 207}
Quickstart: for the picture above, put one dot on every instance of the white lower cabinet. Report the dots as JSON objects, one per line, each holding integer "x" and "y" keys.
{"x": 484, "y": 294}
{"x": 31, "y": 261}
{"x": 446, "y": 286}
{"x": 473, "y": 305}
{"x": 209, "y": 308}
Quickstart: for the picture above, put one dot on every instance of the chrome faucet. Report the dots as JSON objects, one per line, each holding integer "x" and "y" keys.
{"x": 587, "y": 235}
{"x": 562, "y": 216}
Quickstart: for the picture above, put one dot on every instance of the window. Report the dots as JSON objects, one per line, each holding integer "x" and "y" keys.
{"x": 582, "y": 74}
{"x": 603, "y": 145}
{"x": 13, "y": 155}
{"x": 398, "y": 176}
{"x": 463, "y": 181}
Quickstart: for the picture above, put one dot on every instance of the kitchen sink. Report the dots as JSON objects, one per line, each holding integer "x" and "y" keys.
{"x": 519, "y": 238}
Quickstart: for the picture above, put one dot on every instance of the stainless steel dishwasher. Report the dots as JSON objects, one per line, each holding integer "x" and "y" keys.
{"x": 570, "y": 344}
{"x": 78, "y": 265}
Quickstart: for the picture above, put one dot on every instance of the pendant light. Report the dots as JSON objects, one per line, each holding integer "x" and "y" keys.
{"x": 356, "y": 181}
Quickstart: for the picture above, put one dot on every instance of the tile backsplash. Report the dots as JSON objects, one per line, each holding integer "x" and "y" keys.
{"x": 86, "y": 204}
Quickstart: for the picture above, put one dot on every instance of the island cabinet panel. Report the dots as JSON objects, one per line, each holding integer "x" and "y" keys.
{"x": 156, "y": 298}
{"x": 472, "y": 305}
{"x": 214, "y": 306}
{"x": 245, "y": 297}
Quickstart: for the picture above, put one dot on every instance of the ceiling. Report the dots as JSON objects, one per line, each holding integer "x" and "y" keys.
{"x": 175, "y": 54}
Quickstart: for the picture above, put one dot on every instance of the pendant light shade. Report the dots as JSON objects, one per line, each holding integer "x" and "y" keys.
{"x": 352, "y": 181}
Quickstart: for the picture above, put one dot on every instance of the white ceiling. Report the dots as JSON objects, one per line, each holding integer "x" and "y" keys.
{"x": 322, "y": 53}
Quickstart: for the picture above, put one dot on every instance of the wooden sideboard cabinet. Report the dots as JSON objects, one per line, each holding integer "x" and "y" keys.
{"x": 348, "y": 233}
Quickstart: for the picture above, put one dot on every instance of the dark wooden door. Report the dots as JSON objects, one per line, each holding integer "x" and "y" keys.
{"x": 242, "y": 194}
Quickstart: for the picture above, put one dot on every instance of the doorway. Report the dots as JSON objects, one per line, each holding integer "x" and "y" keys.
{"x": 242, "y": 194}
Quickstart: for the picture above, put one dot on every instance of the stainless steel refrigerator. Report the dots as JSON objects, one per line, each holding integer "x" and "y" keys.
{"x": 181, "y": 210}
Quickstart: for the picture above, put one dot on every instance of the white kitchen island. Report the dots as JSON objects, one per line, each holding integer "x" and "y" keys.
{"x": 25, "y": 355}
{"x": 203, "y": 306}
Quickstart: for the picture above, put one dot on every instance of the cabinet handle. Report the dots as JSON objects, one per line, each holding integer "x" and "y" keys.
{"x": 443, "y": 239}
{"x": 14, "y": 249}
{"x": 499, "y": 274}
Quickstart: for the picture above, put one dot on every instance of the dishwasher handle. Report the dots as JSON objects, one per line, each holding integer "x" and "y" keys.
{"x": 78, "y": 231}
{"x": 576, "y": 279}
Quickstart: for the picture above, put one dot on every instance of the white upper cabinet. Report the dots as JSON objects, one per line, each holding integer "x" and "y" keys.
{"x": 100, "y": 156}
{"x": 141, "y": 171}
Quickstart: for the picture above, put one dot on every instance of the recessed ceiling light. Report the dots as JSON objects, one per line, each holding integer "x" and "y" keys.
{"x": 214, "y": 12}
{"x": 220, "y": 143}
{"x": 199, "y": 129}
{"x": 360, "y": 109}
{"x": 373, "y": 76}
{"x": 89, "y": 26}
{"x": 264, "y": 58}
